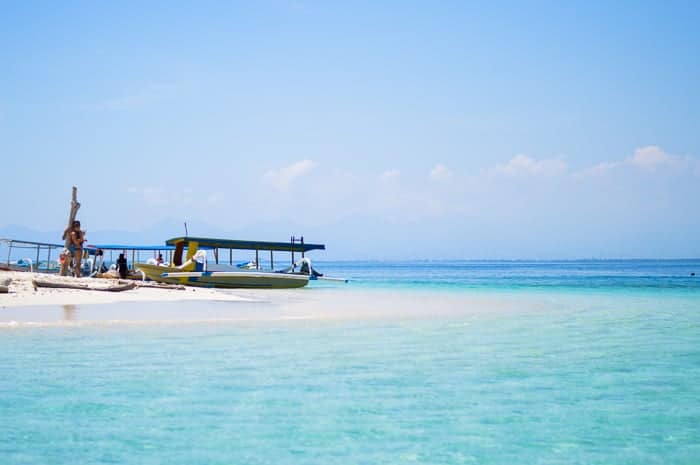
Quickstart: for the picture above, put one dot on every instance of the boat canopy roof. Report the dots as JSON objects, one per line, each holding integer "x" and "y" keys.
{"x": 32, "y": 243}
{"x": 19, "y": 243}
{"x": 207, "y": 242}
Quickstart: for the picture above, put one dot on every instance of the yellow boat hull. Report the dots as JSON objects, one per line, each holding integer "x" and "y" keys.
{"x": 218, "y": 279}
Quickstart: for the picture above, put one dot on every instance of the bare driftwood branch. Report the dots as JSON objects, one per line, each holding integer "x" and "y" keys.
{"x": 63, "y": 285}
{"x": 177, "y": 287}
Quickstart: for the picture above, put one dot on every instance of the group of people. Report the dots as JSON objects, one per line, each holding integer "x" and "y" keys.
{"x": 76, "y": 237}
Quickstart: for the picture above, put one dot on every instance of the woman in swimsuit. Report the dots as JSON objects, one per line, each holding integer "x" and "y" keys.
{"x": 77, "y": 237}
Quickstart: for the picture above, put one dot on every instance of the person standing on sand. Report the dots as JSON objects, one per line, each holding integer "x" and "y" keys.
{"x": 122, "y": 266}
{"x": 77, "y": 238}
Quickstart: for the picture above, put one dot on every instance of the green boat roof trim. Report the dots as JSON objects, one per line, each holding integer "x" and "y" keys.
{"x": 246, "y": 245}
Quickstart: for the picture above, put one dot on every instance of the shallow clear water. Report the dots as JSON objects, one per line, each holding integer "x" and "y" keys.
{"x": 492, "y": 372}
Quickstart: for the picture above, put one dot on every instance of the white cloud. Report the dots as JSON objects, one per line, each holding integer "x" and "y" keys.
{"x": 600, "y": 169}
{"x": 282, "y": 178}
{"x": 650, "y": 157}
{"x": 390, "y": 174}
{"x": 522, "y": 165}
{"x": 440, "y": 172}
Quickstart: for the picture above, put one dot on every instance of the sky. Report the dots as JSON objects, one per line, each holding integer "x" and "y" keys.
{"x": 386, "y": 130}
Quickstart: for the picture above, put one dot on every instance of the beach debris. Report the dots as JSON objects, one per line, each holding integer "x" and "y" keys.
{"x": 53, "y": 284}
{"x": 154, "y": 285}
{"x": 113, "y": 274}
{"x": 5, "y": 285}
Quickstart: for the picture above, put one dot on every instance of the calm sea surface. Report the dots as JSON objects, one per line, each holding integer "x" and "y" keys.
{"x": 591, "y": 362}
{"x": 597, "y": 275}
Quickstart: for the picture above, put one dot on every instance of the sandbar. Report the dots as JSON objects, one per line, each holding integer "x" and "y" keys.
{"x": 22, "y": 293}
{"x": 25, "y": 306}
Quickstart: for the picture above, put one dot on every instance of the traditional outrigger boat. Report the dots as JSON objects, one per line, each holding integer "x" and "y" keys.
{"x": 193, "y": 270}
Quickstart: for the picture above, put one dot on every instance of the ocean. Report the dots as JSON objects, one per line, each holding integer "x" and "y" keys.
{"x": 420, "y": 362}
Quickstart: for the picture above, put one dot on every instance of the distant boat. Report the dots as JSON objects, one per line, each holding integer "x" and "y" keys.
{"x": 41, "y": 251}
{"x": 192, "y": 271}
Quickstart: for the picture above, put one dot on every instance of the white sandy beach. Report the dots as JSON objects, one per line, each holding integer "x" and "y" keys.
{"x": 22, "y": 293}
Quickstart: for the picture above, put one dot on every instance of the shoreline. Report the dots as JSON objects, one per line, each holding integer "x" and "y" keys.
{"x": 25, "y": 306}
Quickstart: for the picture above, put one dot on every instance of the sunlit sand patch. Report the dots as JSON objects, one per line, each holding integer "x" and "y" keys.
{"x": 291, "y": 306}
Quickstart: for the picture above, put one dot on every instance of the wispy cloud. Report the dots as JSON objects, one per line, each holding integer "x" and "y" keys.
{"x": 390, "y": 174}
{"x": 649, "y": 159}
{"x": 522, "y": 165}
{"x": 282, "y": 178}
{"x": 600, "y": 169}
{"x": 440, "y": 173}
{"x": 151, "y": 195}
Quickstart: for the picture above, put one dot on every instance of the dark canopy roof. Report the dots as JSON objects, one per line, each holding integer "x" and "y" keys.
{"x": 246, "y": 245}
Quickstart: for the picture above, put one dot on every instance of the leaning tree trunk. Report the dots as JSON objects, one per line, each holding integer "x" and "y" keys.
{"x": 74, "y": 206}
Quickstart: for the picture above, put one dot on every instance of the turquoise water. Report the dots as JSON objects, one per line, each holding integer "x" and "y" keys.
{"x": 518, "y": 371}
{"x": 613, "y": 275}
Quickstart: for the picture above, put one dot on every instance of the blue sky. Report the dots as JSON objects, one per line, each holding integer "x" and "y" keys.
{"x": 384, "y": 129}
